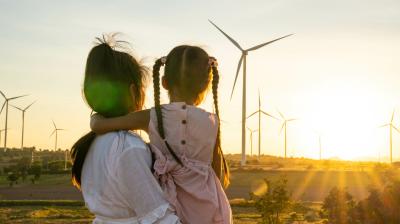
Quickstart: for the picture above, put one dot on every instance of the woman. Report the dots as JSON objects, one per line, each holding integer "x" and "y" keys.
{"x": 113, "y": 170}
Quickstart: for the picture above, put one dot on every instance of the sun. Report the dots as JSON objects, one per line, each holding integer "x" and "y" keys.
{"x": 347, "y": 118}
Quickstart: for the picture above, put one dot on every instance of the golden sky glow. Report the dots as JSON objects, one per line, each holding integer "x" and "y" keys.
{"x": 339, "y": 74}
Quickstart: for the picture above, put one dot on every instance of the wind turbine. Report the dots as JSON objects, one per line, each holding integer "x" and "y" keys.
{"x": 23, "y": 121}
{"x": 251, "y": 139}
{"x": 391, "y": 127}
{"x": 6, "y": 105}
{"x": 284, "y": 126}
{"x": 56, "y": 132}
{"x": 55, "y": 145}
{"x": 259, "y": 112}
{"x": 243, "y": 59}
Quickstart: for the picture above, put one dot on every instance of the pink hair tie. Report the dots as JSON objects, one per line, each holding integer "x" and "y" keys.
{"x": 163, "y": 60}
{"x": 212, "y": 61}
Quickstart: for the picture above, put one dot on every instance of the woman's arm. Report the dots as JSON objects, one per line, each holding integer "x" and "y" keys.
{"x": 133, "y": 121}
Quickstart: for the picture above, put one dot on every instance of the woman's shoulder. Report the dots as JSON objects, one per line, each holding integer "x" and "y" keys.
{"x": 134, "y": 141}
{"x": 123, "y": 140}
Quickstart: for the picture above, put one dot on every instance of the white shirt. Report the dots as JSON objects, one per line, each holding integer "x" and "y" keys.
{"x": 117, "y": 184}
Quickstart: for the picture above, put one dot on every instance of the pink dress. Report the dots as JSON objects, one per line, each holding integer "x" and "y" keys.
{"x": 193, "y": 190}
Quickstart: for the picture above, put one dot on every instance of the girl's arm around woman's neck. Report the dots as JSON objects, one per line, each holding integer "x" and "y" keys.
{"x": 138, "y": 120}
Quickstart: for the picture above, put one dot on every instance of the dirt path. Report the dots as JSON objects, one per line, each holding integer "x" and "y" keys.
{"x": 33, "y": 192}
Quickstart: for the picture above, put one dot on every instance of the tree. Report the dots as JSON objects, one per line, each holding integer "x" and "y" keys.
{"x": 273, "y": 202}
{"x": 371, "y": 209}
{"x": 390, "y": 198}
{"x": 339, "y": 207}
{"x": 36, "y": 171}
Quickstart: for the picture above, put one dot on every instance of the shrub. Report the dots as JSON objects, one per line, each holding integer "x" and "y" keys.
{"x": 12, "y": 178}
{"x": 339, "y": 207}
{"x": 273, "y": 202}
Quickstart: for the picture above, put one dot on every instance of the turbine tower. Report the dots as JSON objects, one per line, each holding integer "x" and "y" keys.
{"x": 243, "y": 59}
{"x": 259, "y": 112}
{"x": 6, "y": 105}
{"x": 285, "y": 122}
{"x": 23, "y": 122}
{"x": 251, "y": 139}
{"x": 391, "y": 127}
{"x": 320, "y": 147}
{"x": 0, "y": 134}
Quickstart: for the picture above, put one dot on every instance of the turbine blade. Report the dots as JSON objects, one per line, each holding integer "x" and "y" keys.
{"x": 26, "y": 108}
{"x": 384, "y": 125}
{"x": 16, "y": 107}
{"x": 396, "y": 128}
{"x": 270, "y": 115}
{"x": 259, "y": 99}
{"x": 266, "y": 43}
{"x": 54, "y": 124}
{"x": 227, "y": 36}
{"x": 252, "y": 114}
{"x": 3, "y": 106}
{"x": 237, "y": 74}
{"x": 283, "y": 117}
{"x": 283, "y": 125}
{"x": 292, "y": 119}
{"x": 391, "y": 120}
{"x": 53, "y": 133}
{"x": 16, "y": 97}
{"x": 3, "y": 95}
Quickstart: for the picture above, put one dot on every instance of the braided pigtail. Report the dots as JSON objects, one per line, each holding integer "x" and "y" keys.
{"x": 219, "y": 163}
{"x": 156, "y": 83}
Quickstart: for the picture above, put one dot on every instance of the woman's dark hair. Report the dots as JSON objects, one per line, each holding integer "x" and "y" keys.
{"x": 110, "y": 76}
{"x": 188, "y": 71}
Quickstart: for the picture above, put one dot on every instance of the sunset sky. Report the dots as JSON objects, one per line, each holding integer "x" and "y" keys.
{"x": 339, "y": 74}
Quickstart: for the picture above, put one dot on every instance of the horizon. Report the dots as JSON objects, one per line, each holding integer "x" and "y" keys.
{"x": 337, "y": 74}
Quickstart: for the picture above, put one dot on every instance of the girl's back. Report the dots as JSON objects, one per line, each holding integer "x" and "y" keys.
{"x": 190, "y": 131}
{"x": 192, "y": 188}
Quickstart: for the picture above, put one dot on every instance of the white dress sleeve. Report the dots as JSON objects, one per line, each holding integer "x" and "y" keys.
{"x": 143, "y": 193}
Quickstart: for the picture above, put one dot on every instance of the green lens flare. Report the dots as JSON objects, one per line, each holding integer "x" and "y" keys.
{"x": 108, "y": 98}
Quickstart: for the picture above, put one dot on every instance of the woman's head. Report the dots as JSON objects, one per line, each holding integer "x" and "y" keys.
{"x": 114, "y": 81}
{"x": 114, "y": 85}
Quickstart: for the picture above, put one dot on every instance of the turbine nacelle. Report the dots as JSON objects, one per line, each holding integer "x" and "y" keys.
{"x": 244, "y": 51}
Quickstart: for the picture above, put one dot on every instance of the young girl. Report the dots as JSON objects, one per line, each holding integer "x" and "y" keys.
{"x": 184, "y": 138}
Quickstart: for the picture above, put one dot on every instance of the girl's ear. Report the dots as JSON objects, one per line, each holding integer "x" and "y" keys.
{"x": 132, "y": 91}
{"x": 164, "y": 83}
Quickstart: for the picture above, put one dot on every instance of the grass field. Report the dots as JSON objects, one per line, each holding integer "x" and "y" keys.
{"x": 53, "y": 211}
{"x": 27, "y": 212}
{"x": 311, "y": 185}
{"x": 306, "y": 186}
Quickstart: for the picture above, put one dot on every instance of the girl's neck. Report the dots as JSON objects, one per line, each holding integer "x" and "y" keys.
{"x": 173, "y": 99}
